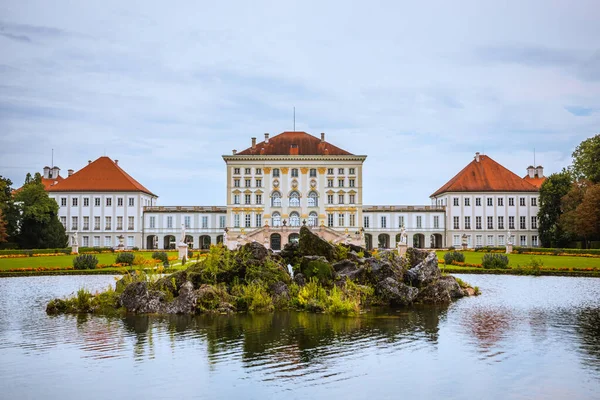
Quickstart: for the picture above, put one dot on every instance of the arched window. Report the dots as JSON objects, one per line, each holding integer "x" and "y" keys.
{"x": 294, "y": 199}
{"x": 276, "y": 199}
{"x": 313, "y": 219}
{"x": 294, "y": 219}
{"x": 313, "y": 199}
{"x": 276, "y": 219}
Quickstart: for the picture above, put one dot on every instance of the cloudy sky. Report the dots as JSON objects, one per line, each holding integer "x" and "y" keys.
{"x": 169, "y": 87}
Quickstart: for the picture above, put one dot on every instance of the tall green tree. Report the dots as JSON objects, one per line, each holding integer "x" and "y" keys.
{"x": 3, "y": 234}
{"x": 9, "y": 210}
{"x": 586, "y": 160}
{"x": 581, "y": 212}
{"x": 554, "y": 188}
{"x": 40, "y": 227}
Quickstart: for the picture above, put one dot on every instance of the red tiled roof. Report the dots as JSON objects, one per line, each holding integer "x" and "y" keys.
{"x": 49, "y": 182}
{"x": 537, "y": 182}
{"x": 486, "y": 176}
{"x": 294, "y": 143}
{"x": 102, "y": 175}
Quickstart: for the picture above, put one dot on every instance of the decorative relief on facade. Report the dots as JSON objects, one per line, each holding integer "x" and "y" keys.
{"x": 322, "y": 170}
{"x": 294, "y": 184}
{"x": 313, "y": 183}
{"x": 276, "y": 183}
{"x": 304, "y": 170}
{"x": 284, "y": 170}
{"x": 267, "y": 170}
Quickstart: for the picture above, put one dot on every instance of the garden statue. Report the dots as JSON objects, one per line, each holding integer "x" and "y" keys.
{"x": 403, "y": 235}
{"x": 74, "y": 244}
{"x": 182, "y": 246}
{"x": 465, "y": 241}
{"x": 509, "y": 237}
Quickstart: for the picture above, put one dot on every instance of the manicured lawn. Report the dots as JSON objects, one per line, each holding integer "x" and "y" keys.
{"x": 472, "y": 257}
{"x": 60, "y": 261}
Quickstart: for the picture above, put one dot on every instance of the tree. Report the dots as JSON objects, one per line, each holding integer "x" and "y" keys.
{"x": 9, "y": 210}
{"x": 39, "y": 227}
{"x": 3, "y": 234}
{"x": 552, "y": 191}
{"x": 581, "y": 211}
{"x": 586, "y": 160}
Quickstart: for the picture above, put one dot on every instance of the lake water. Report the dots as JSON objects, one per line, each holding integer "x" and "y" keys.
{"x": 524, "y": 337}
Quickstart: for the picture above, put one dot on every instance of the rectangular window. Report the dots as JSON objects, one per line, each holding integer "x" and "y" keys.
{"x": 96, "y": 201}
{"x": 119, "y": 202}
{"x": 523, "y": 240}
{"x": 313, "y": 173}
{"x": 86, "y": 201}
{"x": 204, "y": 222}
{"x": 329, "y": 182}
{"x": 119, "y": 223}
{"x": 108, "y": 201}
{"x": 522, "y": 223}
{"x": 340, "y": 183}
{"x": 534, "y": 222}
{"x": 258, "y": 171}
{"x": 330, "y": 220}
{"x": 108, "y": 223}
{"x": 247, "y": 171}
{"x": 248, "y": 182}
{"x": 534, "y": 201}
{"x": 478, "y": 240}
{"x": 86, "y": 223}
{"x": 477, "y": 201}
{"x": 534, "y": 241}
{"x": 490, "y": 240}
{"x": 340, "y": 171}
{"x": 236, "y": 199}
{"x": 340, "y": 199}
{"x": 275, "y": 172}
{"x": 477, "y": 222}
{"x": 169, "y": 222}
{"x": 366, "y": 222}
{"x": 400, "y": 221}
{"x": 511, "y": 201}
{"x": 74, "y": 223}
{"x": 467, "y": 222}
{"x": 501, "y": 240}
{"x": 258, "y": 220}
{"x": 259, "y": 199}
{"x": 501, "y": 202}
{"x": 236, "y": 183}
{"x": 247, "y": 199}
{"x": 351, "y": 171}
{"x": 490, "y": 201}
{"x": 419, "y": 221}
{"x": 490, "y": 222}
{"x": 351, "y": 182}
{"x": 384, "y": 222}
{"x": 236, "y": 171}
{"x": 74, "y": 201}
{"x": 329, "y": 171}
{"x": 222, "y": 221}
{"x": 467, "y": 201}
{"x": 130, "y": 242}
{"x": 511, "y": 222}
{"x": 96, "y": 241}
{"x": 131, "y": 201}
{"x": 455, "y": 202}
{"x": 187, "y": 221}
{"x": 522, "y": 201}
{"x": 294, "y": 172}
{"x": 152, "y": 222}
{"x": 63, "y": 201}
{"x": 500, "y": 222}
{"x": 352, "y": 199}
{"x": 248, "y": 221}
{"x": 107, "y": 241}
{"x": 86, "y": 241}
{"x": 341, "y": 219}
{"x": 456, "y": 222}
{"x": 63, "y": 221}
{"x": 236, "y": 220}
{"x": 96, "y": 223}
{"x": 352, "y": 219}
{"x": 436, "y": 221}
{"x": 329, "y": 199}
{"x": 259, "y": 183}
{"x": 456, "y": 239}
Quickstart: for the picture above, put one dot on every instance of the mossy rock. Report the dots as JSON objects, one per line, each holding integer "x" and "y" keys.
{"x": 415, "y": 256}
{"x": 312, "y": 245}
{"x": 317, "y": 267}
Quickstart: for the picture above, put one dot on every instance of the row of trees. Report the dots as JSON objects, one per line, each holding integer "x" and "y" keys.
{"x": 28, "y": 217}
{"x": 570, "y": 200}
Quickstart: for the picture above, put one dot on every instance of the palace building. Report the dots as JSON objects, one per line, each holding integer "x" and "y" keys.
{"x": 293, "y": 179}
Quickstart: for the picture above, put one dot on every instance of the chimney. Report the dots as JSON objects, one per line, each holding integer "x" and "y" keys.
{"x": 322, "y": 136}
{"x": 253, "y": 143}
{"x": 46, "y": 172}
{"x": 234, "y": 151}
{"x": 477, "y": 157}
{"x": 70, "y": 172}
{"x": 89, "y": 162}
{"x": 266, "y": 138}
{"x": 117, "y": 162}
{"x": 539, "y": 171}
{"x": 55, "y": 172}
{"x": 531, "y": 172}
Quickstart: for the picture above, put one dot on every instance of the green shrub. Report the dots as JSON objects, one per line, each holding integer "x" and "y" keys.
{"x": 85, "y": 261}
{"x": 160, "y": 256}
{"x": 125, "y": 258}
{"x": 453, "y": 256}
{"x": 135, "y": 248}
{"x": 341, "y": 303}
{"x": 312, "y": 296}
{"x": 535, "y": 265}
{"x": 494, "y": 261}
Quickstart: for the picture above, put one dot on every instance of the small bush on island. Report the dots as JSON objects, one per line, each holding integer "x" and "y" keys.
{"x": 494, "y": 261}
{"x": 453, "y": 256}
{"x": 85, "y": 261}
{"x": 125, "y": 258}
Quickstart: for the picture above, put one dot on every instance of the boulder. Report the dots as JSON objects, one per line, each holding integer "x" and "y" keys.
{"x": 280, "y": 293}
{"x": 443, "y": 290}
{"x": 425, "y": 272}
{"x": 312, "y": 245}
{"x": 291, "y": 253}
{"x": 380, "y": 269}
{"x": 347, "y": 269}
{"x": 258, "y": 251}
{"x": 415, "y": 256}
{"x": 396, "y": 293}
{"x": 172, "y": 282}
{"x": 299, "y": 279}
{"x": 316, "y": 266}
{"x": 138, "y": 299}
{"x": 185, "y": 303}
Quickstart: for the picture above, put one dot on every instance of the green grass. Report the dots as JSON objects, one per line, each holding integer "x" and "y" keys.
{"x": 472, "y": 257}
{"x": 61, "y": 261}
